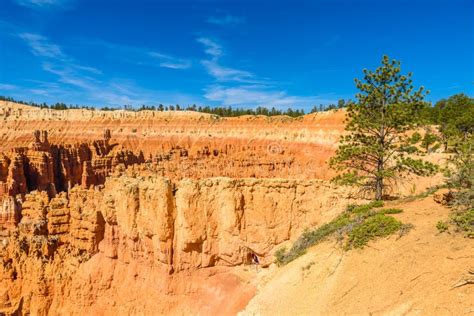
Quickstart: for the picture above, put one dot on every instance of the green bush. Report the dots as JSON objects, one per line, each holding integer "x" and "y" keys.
{"x": 375, "y": 226}
{"x": 358, "y": 224}
{"x": 310, "y": 238}
{"x": 442, "y": 226}
{"x": 280, "y": 256}
{"x": 464, "y": 221}
{"x": 391, "y": 211}
{"x": 365, "y": 208}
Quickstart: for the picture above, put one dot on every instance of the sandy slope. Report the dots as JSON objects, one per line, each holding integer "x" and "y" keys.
{"x": 413, "y": 275}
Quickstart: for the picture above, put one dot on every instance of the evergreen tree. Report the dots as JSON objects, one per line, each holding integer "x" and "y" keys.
{"x": 341, "y": 104}
{"x": 455, "y": 117}
{"x": 371, "y": 154}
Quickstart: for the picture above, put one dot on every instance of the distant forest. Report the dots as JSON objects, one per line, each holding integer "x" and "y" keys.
{"x": 217, "y": 110}
{"x": 459, "y": 105}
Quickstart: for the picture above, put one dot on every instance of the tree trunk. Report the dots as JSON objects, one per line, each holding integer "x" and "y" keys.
{"x": 378, "y": 188}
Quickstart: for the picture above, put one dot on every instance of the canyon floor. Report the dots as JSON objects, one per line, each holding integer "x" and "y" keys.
{"x": 120, "y": 212}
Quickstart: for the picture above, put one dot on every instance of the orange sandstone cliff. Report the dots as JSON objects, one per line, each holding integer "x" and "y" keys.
{"x": 149, "y": 212}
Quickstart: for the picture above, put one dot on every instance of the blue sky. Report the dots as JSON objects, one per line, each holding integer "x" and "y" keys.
{"x": 238, "y": 53}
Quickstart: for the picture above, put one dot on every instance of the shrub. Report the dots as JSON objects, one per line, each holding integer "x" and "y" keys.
{"x": 460, "y": 177}
{"x": 280, "y": 256}
{"x": 442, "y": 226}
{"x": 378, "y": 225}
{"x": 405, "y": 228}
{"x": 464, "y": 222}
{"x": 391, "y": 211}
{"x": 358, "y": 224}
{"x": 362, "y": 209}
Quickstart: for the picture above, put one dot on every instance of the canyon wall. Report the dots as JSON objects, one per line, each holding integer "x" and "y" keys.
{"x": 56, "y": 167}
{"x": 120, "y": 212}
{"x": 141, "y": 235}
{"x": 192, "y": 144}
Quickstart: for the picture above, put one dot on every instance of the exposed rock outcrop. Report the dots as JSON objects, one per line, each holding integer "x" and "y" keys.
{"x": 191, "y": 144}
{"x": 54, "y": 168}
{"x": 158, "y": 227}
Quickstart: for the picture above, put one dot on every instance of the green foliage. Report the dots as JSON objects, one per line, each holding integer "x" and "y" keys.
{"x": 358, "y": 225}
{"x": 416, "y": 166}
{"x": 375, "y": 226}
{"x": 442, "y": 226}
{"x": 415, "y": 138}
{"x": 460, "y": 178}
{"x": 310, "y": 238}
{"x": 364, "y": 208}
{"x": 391, "y": 211}
{"x": 428, "y": 140}
{"x": 348, "y": 178}
{"x": 372, "y": 152}
{"x": 217, "y": 110}
{"x": 409, "y": 149}
{"x": 464, "y": 222}
{"x": 460, "y": 174}
{"x": 455, "y": 117}
{"x": 280, "y": 256}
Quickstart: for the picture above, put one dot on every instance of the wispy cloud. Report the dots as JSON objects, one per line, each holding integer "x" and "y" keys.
{"x": 236, "y": 87}
{"x": 258, "y": 95}
{"x": 7, "y": 86}
{"x": 83, "y": 82}
{"x": 167, "y": 61}
{"x": 226, "y": 20}
{"x": 70, "y": 75}
{"x": 44, "y": 4}
{"x": 219, "y": 72}
{"x": 142, "y": 56}
{"x": 212, "y": 48}
{"x": 40, "y": 46}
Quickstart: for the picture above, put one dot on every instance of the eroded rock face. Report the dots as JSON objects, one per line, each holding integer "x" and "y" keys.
{"x": 187, "y": 144}
{"x": 54, "y": 168}
{"x": 141, "y": 235}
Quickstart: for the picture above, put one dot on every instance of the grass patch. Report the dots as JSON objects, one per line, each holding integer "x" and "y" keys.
{"x": 357, "y": 226}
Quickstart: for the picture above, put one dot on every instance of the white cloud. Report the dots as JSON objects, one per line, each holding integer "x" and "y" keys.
{"x": 39, "y": 4}
{"x": 226, "y": 20}
{"x": 69, "y": 75}
{"x": 219, "y": 72}
{"x": 40, "y": 46}
{"x": 236, "y": 87}
{"x": 81, "y": 82}
{"x": 7, "y": 86}
{"x": 89, "y": 69}
{"x": 222, "y": 73}
{"x": 171, "y": 62}
{"x": 142, "y": 56}
{"x": 258, "y": 95}
{"x": 211, "y": 47}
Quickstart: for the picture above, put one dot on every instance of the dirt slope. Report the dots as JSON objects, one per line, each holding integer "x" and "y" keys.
{"x": 411, "y": 275}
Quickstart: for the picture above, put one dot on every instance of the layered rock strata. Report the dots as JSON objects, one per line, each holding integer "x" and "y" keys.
{"x": 57, "y": 167}
{"x": 166, "y": 241}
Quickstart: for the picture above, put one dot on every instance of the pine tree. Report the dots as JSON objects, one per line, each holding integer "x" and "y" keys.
{"x": 371, "y": 153}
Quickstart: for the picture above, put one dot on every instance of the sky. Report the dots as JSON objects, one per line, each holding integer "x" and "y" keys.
{"x": 229, "y": 53}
